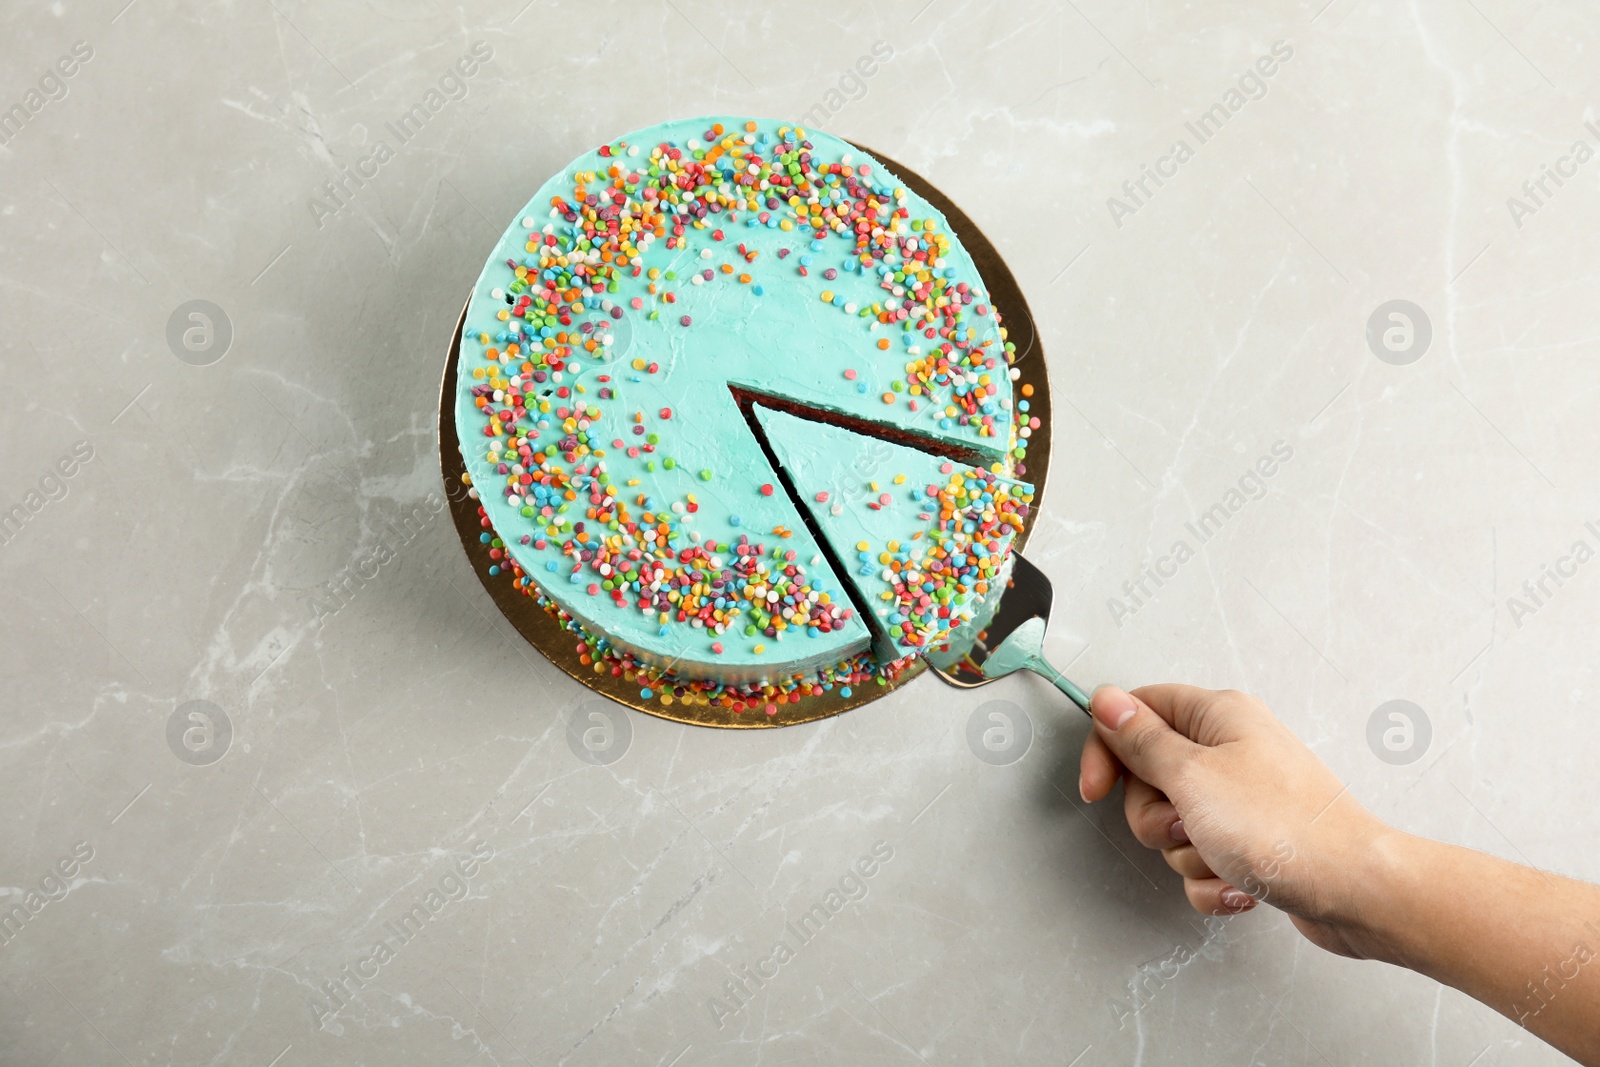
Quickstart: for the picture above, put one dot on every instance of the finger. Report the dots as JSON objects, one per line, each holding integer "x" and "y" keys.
{"x": 1206, "y": 716}
{"x": 1186, "y": 860}
{"x": 1151, "y": 816}
{"x": 1098, "y": 769}
{"x": 1213, "y": 896}
{"x": 1143, "y": 741}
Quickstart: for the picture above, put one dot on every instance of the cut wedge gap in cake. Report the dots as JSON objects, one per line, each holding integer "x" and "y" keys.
{"x": 921, "y": 542}
{"x": 970, "y": 455}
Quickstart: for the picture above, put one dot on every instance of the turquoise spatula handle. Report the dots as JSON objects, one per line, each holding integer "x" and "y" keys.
{"x": 1041, "y": 666}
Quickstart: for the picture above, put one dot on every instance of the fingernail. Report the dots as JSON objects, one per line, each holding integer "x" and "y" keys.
{"x": 1081, "y": 792}
{"x": 1112, "y": 707}
{"x": 1236, "y": 899}
{"x": 1179, "y": 833}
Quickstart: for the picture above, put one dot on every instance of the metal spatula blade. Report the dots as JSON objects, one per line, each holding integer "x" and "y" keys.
{"x": 1011, "y": 640}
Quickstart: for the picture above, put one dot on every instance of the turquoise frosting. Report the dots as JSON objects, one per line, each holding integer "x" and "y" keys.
{"x": 646, "y": 424}
{"x": 915, "y": 549}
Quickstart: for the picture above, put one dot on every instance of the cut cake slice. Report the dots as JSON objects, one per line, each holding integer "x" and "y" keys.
{"x": 923, "y": 541}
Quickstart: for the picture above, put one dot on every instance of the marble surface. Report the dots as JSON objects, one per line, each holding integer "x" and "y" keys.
{"x": 241, "y": 518}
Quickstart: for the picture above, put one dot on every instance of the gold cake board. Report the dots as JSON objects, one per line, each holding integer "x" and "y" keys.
{"x": 560, "y": 646}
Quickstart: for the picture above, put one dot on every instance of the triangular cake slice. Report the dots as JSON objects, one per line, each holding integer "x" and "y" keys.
{"x": 924, "y": 541}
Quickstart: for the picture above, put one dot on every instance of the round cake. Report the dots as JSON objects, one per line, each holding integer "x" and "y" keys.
{"x": 735, "y": 405}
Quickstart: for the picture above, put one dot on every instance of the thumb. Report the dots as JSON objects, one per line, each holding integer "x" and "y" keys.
{"x": 1145, "y": 742}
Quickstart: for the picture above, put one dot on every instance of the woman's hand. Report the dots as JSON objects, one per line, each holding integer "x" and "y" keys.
{"x": 1246, "y": 813}
{"x": 1239, "y": 806}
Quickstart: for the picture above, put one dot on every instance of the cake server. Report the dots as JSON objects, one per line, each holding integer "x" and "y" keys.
{"x": 1012, "y": 640}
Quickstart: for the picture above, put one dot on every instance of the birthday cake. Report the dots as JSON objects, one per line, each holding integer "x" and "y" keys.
{"x": 735, "y": 406}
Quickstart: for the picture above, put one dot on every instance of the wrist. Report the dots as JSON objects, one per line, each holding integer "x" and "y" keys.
{"x": 1386, "y": 884}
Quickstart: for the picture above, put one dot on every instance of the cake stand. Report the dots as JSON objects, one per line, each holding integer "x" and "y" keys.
{"x": 560, "y": 646}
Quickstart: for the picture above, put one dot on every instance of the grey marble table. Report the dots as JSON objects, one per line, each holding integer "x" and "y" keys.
{"x": 260, "y": 812}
